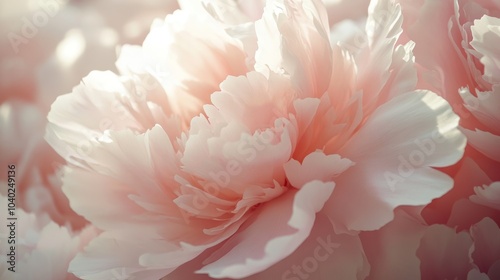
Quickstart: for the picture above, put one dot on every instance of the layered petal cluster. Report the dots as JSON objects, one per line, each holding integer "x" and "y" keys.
{"x": 47, "y": 47}
{"x": 458, "y": 237}
{"x": 37, "y": 248}
{"x": 484, "y": 67}
{"x": 229, "y": 146}
{"x": 458, "y": 61}
{"x": 468, "y": 75}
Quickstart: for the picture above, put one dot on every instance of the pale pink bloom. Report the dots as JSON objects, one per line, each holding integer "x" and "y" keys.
{"x": 197, "y": 160}
{"x": 484, "y": 61}
{"x": 458, "y": 61}
{"x": 160, "y": 94}
{"x": 47, "y": 47}
{"x": 365, "y": 95}
{"x": 43, "y": 249}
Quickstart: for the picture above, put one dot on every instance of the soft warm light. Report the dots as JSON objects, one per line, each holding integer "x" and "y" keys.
{"x": 71, "y": 47}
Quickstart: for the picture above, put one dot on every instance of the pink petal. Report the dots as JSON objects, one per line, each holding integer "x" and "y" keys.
{"x": 484, "y": 107}
{"x": 488, "y": 195}
{"x": 108, "y": 102}
{"x": 407, "y": 136}
{"x": 444, "y": 253}
{"x": 475, "y": 274}
{"x": 315, "y": 166}
{"x": 187, "y": 75}
{"x": 384, "y": 69}
{"x": 253, "y": 250}
{"x": 391, "y": 249}
{"x": 283, "y": 24}
{"x": 485, "y": 142}
{"x": 486, "y": 244}
{"x": 320, "y": 256}
{"x": 486, "y": 34}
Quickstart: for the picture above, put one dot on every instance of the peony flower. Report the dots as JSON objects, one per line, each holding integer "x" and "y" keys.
{"x": 49, "y": 58}
{"x": 461, "y": 66}
{"x": 42, "y": 249}
{"x": 47, "y": 47}
{"x": 484, "y": 135}
{"x": 228, "y": 148}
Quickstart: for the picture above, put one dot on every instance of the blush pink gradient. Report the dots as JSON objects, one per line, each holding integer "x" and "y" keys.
{"x": 461, "y": 66}
{"x": 218, "y": 128}
{"x": 256, "y": 140}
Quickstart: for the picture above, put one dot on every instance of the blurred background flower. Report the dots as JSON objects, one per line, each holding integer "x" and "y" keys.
{"x": 49, "y": 45}
{"x": 46, "y": 47}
